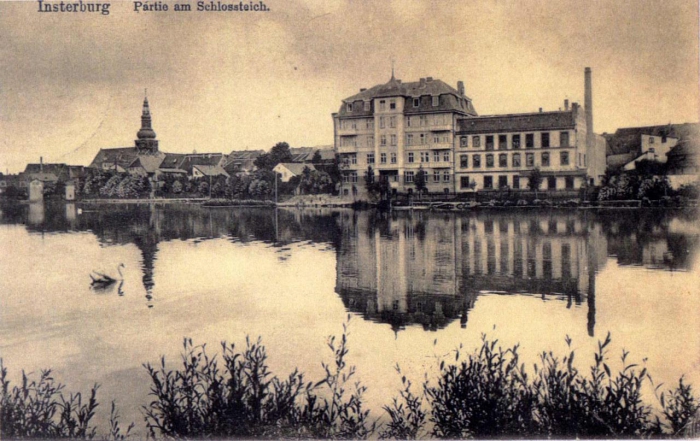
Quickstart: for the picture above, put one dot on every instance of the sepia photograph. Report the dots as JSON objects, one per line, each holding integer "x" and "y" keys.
{"x": 349, "y": 219}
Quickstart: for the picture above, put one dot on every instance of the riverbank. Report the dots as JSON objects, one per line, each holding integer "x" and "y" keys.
{"x": 487, "y": 393}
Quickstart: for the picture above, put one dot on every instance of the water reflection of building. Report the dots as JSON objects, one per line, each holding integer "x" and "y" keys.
{"x": 429, "y": 268}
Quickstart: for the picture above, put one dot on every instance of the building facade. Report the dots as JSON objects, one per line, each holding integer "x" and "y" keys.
{"x": 497, "y": 152}
{"x": 392, "y": 130}
{"x": 396, "y": 130}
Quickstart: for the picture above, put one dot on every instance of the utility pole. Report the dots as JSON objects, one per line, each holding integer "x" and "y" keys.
{"x": 275, "y": 189}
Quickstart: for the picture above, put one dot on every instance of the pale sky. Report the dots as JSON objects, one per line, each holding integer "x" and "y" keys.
{"x": 71, "y": 84}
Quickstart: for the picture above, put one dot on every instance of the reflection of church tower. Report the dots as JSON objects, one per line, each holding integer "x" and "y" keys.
{"x": 149, "y": 248}
{"x": 146, "y": 142}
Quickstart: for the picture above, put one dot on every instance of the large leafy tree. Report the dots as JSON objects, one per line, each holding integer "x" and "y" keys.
{"x": 280, "y": 152}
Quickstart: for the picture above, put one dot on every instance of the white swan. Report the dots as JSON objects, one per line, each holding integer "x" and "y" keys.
{"x": 101, "y": 280}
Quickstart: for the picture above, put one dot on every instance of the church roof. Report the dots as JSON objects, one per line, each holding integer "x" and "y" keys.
{"x": 150, "y": 163}
{"x": 121, "y": 156}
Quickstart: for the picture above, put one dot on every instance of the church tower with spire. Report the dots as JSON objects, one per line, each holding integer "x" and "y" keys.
{"x": 146, "y": 142}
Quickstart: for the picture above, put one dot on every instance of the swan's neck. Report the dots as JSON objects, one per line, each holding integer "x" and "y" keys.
{"x": 119, "y": 270}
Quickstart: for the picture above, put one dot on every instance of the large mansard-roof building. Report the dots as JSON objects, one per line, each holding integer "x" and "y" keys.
{"x": 396, "y": 130}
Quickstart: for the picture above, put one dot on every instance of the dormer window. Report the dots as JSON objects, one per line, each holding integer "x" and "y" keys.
{"x": 392, "y": 104}
{"x": 651, "y": 140}
{"x": 436, "y": 101}
{"x": 349, "y": 107}
{"x": 366, "y": 106}
{"x": 416, "y": 102}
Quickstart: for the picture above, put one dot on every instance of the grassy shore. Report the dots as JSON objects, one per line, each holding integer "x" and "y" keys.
{"x": 487, "y": 393}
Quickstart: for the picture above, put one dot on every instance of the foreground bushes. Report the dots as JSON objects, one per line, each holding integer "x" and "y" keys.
{"x": 485, "y": 394}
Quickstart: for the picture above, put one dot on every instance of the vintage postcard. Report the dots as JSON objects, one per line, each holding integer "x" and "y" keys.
{"x": 404, "y": 219}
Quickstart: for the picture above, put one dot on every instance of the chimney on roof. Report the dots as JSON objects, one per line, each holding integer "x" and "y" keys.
{"x": 540, "y": 109}
{"x": 41, "y": 164}
{"x": 588, "y": 104}
{"x": 460, "y": 87}
{"x": 566, "y": 105}
{"x": 429, "y": 79}
{"x": 363, "y": 89}
{"x": 422, "y": 81}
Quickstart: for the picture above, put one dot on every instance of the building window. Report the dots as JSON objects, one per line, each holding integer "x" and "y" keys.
{"x": 382, "y": 105}
{"x": 569, "y": 182}
{"x": 464, "y": 141}
{"x": 502, "y": 181}
{"x": 423, "y": 120}
{"x": 436, "y": 139}
{"x": 349, "y": 107}
{"x": 516, "y": 141}
{"x": 564, "y": 158}
{"x": 416, "y": 102}
{"x": 545, "y": 159}
{"x": 446, "y": 176}
{"x": 503, "y": 160}
{"x": 516, "y": 160}
{"x": 392, "y": 104}
{"x": 436, "y": 156}
{"x": 409, "y": 177}
{"x": 393, "y": 139}
{"x": 516, "y": 182}
{"x": 545, "y": 140}
{"x": 436, "y": 175}
{"x": 463, "y": 161}
{"x": 530, "y": 159}
{"x": 382, "y": 158}
{"x": 476, "y": 161}
{"x": 392, "y": 122}
{"x": 424, "y": 156}
{"x": 488, "y": 181}
{"x": 393, "y": 158}
{"x": 489, "y": 142}
{"x": 382, "y": 124}
{"x": 502, "y": 142}
{"x": 464, "y": 182}
{"x": 476, "y": 141}
{"x": 651, "y": 139}
{"x": 370, "y": 141}
{"x": 370, "y": 158}
{"x": 410, "y": 157}
{"x": 409, "y": 139}
{"x": 382, "y": 140}
{"x": 530, "y": 141}
{"x": 446, "y": 156}
{"x": 369, "y": 124}
{"x": 564, "y": 139}
{"x": 551, "y": 183}
{"x": 489, "y": 160}
{"x": 422, "y": 139}
{"x": 366, "y": 103}
{"x": 436, "y": 101}
{"x": 408, "y": 121}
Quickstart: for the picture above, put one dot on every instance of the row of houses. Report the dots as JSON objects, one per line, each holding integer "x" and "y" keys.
{"x": 147, "y": 160}
{"x": 396, "y": 130}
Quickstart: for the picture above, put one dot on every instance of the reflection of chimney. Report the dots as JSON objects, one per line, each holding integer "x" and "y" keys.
{"x": 460, "y": 87}
{"x": 566, "y": 105}
{"x": 588, "y": 104}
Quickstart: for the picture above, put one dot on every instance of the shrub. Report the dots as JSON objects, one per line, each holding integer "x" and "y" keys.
{"x": 241, "y": 398}
{"x": 38, "y": 409}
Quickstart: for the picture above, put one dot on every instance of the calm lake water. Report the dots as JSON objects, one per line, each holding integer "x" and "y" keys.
{"x": 416, "y": 285}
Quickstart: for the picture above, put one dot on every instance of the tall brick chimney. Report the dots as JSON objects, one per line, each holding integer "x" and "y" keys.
{"x": 460, "y": 87}
{"x": 588, "y": 104}
{"x": 566, "y": 105}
